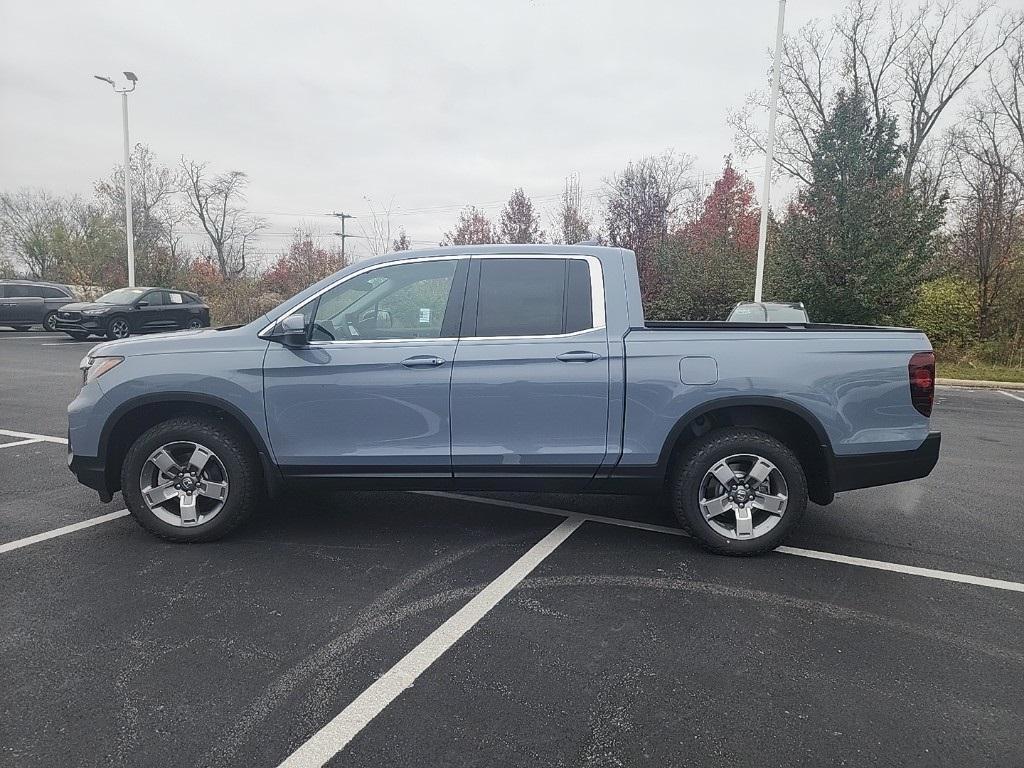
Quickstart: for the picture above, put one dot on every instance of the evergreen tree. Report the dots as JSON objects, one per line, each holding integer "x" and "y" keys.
{"x": 856, "y": 241}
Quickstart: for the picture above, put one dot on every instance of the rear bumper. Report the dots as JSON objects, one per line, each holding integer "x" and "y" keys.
{"x": 870, "y": 469}
{"x": 91, "y": 473}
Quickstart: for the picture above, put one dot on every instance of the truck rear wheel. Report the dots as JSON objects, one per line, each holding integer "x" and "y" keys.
{"x": 191, "y": 479}
{"x": 738, "y": 491}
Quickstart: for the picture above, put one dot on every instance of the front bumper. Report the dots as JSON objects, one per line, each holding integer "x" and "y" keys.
{"x": 91, "y": 473}
{"x": 867, "y": 470}
{"x": 94, "y": 325}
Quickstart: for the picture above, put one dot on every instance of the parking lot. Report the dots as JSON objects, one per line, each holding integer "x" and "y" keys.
{"x": 407, "y": 629}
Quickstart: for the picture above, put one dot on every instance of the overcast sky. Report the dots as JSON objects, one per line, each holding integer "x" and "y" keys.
{"x": 429, "y": 104}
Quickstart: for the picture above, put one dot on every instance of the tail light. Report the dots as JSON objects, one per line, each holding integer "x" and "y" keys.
{"x": 922, "y": 381}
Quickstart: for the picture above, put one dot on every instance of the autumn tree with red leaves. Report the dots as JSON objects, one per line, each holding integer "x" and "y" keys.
{"x": 708, "y": 263}
{"x": 304, "y": 263}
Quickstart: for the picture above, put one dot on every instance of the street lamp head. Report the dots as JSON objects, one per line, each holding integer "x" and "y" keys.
{"x": 131, "y": 77}
{"x": 104, "y": 79}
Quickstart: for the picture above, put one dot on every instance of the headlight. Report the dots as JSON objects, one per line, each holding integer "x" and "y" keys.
{"x": 93, "y": 311}
{"x": 94, "y": 367}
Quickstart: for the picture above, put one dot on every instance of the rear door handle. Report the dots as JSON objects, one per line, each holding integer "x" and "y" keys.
{"x": 423, "y": 361}
{"x": 578, "y": 357}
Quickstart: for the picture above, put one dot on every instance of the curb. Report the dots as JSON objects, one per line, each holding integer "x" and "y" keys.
{"x": 979, "y": 384}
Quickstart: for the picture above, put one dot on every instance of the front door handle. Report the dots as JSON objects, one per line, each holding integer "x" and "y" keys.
{"x": 578, "y": 357}
{"x": 423, "y": 361}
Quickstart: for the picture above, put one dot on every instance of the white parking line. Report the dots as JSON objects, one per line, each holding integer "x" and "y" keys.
{"x": 32, "y": 436}
{"x": 1015, "y": 397}
{"x": 21, "y": 442}
{"x": 19, "y": 543}
{"x": 333, "y": 737}
{"x": 880, "y": 565}
{"x": 21, "y": 338}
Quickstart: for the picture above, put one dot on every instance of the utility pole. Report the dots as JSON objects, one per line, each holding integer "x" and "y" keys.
{"x": 130, "y": 76}
{"x": 342, "y": 235}
{"x": 766, "y": 189}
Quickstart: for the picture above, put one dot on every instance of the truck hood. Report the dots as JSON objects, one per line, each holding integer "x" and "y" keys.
{"x": 184, "y": 342}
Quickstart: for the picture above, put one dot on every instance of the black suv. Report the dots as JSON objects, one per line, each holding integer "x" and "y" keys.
{"x": 24, "y": 303}
{"x": 125, "y": 311}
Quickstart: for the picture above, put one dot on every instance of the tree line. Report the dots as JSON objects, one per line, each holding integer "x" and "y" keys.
{"x": 901, "y": 132}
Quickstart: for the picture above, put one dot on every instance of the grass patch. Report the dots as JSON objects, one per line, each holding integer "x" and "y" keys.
{"x": 977, "y": 371}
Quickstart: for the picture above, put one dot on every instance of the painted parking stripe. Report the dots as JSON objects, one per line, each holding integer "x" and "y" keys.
{"x": 862, "y": 562}
{"x": 333, "y": 737}
{"x": 32, "y": 436}
{"x": 1008, "y": 394}
{"x": 19, "y": 543}
{"x": 21, "y": 442}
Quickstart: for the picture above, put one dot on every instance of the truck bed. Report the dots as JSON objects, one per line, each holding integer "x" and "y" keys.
{"x": 725, "y": 325}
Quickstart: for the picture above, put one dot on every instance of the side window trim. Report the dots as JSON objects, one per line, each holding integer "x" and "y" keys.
{"x": 597, "y": 317}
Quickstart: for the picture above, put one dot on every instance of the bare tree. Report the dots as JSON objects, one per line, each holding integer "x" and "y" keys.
{"x": 571, "y": 222}
{"x": 30, "y": 220}
{"x": 988, "y": 233}
{"x": 155, "y": 207}
{"x": 378, "y": 233}
{"x": 519, "y": 222}
{"x": 473, "y": 228}
{"x": 216, "y": 201}
{"x": 911, "y": 67}
{"x": 642, "y": 202}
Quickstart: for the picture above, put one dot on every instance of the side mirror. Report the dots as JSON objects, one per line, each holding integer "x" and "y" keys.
{"x": 141, "y": 304}
{"x": 291, "y": 331}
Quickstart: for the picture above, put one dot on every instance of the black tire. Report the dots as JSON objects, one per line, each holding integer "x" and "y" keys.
{"x": 50, "y": 322}
{"x": 194, "y": 324}
{"x": 77, "y": 336}
{"x": 21, "y": 328}
{"x": 118, "y": 328}
{"x": 708, "y": 450}
{"x": 233, "y": 450}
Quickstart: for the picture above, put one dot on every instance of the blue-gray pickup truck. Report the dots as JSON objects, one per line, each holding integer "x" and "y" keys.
{"x": 507, "y": 368}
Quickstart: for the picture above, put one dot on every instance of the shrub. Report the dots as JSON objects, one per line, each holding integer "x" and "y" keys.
{"x": 947, "y": 310}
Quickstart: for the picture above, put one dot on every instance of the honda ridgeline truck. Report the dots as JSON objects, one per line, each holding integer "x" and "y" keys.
{"x": 508, "y": 368}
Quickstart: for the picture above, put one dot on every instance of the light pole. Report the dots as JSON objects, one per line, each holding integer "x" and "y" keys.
{"x": 130, "y": 76}
{"x": 766, "y": 190}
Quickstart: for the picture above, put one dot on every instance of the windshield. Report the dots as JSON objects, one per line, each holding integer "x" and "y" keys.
{"x": 783, "y": 314}
{"x": 121, "y": 296}
{"x": 767, "y": 313}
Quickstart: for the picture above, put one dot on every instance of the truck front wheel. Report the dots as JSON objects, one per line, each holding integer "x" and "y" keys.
{"x": 190, "y": 479}
{"x": 738, "y": 491}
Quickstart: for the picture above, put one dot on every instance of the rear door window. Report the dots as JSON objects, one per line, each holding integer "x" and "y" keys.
{"x": 521, "y": 297}
{"x": 51, "y": 293}
{"x": 533, "y": 297}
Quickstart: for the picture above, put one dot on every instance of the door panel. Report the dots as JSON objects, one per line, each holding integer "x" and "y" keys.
{"x": 360, "y": 408}
{"x": 151, "y": 317}
{"x": 369, "y": 395}
{"x": 519, "y": 410}
{"x": 175, "y": 312}
{"x": 531, "y": 407}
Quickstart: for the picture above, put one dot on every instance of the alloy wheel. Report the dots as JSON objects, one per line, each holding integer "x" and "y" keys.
{"x": 119, "y": 328}
{"x": 743, "y": 496}
{"x": 184, "y": 484}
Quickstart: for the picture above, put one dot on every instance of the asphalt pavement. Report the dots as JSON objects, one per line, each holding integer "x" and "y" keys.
{"x": 407, "y": 629}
